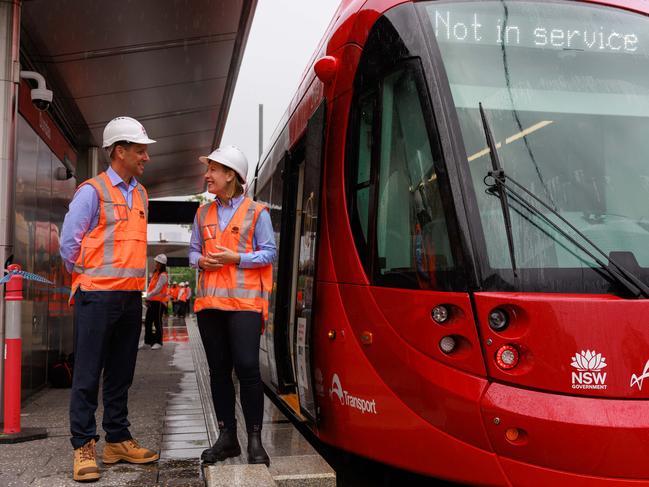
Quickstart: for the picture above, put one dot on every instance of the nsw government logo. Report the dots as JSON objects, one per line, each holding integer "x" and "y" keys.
{"x": 589, "y": 375}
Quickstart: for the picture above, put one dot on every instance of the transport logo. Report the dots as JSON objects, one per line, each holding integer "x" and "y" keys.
{"x": 336, "y": 389}
{"x": 349, "y": 400}
{"x": 589, "y": 375}
{"x": 639, "y": 379}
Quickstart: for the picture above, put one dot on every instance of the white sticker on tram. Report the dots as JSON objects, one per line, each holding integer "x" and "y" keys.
{"x": 349, "y": 400}
{"x": 589, "y": 364}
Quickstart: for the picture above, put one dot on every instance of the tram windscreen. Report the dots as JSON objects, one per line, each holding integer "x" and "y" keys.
{"x": 565, "y": 87}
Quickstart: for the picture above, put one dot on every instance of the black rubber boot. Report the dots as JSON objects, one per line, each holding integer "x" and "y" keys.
{"x": 256, "y": 452}
{"x": 225, "y": 447}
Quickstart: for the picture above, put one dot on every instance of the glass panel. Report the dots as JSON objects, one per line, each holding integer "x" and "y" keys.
{"x": 365, "y": 139}
{"x": 566, "y": 92}
{"x": 412, "y": 237}
{"x": 363, "y": 207}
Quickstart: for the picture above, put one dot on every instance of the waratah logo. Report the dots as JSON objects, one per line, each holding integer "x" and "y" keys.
{"x": 588, "y": 361}
{"x": 589, "y": 364}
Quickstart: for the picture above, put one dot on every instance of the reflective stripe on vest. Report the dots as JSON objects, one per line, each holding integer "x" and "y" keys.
{"x": 232, "y": 287}
{"x": 162, "y": 295}
{"x": 113, "y": 254}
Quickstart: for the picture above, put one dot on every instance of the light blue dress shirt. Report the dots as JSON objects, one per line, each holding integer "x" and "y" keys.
{"x": 83, "y": 216}
{"x": 263, "y": 240}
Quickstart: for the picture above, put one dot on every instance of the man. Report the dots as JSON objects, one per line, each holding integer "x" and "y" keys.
{"x": 173, "y": 295}
{"x": 188, "y": 296}
{"x": 182, "y": 300}
{"x": 104, "y": 247}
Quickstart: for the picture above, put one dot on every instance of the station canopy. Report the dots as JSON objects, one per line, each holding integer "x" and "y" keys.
{"x": 171, "y": 64}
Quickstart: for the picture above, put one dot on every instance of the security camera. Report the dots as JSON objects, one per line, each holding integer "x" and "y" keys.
{"x": 41, "y": 96}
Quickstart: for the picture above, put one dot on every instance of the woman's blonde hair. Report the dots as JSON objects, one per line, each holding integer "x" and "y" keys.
{"x": 235, "y": 188}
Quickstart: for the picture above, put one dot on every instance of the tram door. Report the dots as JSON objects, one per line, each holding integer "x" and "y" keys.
{"x": 304, "y": 254}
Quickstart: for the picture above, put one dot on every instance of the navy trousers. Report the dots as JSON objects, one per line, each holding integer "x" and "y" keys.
{"x": 153, "y": 322}
{"x": 107, "y": 327}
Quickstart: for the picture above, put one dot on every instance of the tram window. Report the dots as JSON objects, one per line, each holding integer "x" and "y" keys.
{"x": 364, "y": 162}
{"x": 411, "y": 233}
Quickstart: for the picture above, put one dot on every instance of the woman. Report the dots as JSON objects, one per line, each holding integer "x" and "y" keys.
{"x": 233, "y": 246}
{"x": 156, "y": 298}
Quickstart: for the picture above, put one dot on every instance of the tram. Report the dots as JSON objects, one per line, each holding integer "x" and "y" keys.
{"x": 460, "y": 195}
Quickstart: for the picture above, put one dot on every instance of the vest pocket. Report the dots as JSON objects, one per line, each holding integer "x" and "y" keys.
{"x": 209, "y": 232}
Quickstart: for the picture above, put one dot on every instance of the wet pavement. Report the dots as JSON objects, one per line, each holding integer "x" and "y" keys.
{"x": 170, "y": 410}
{"x": 161, "y": 377}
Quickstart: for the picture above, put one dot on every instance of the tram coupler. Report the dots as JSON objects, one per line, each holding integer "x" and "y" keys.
{"x": 11, "y": 429}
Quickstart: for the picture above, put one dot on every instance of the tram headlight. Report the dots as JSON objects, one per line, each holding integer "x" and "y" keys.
{"x": 447, "y": 344}
{"x": 440, "y": 314}
{"x": 507, "y": 357}
{"x": 498, "y": 319}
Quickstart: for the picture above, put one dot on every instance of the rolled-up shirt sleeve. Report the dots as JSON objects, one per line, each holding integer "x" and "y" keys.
{"x": 195, "y": 245}
{"x": 264, "y": 244}
{"x": 81, "y": 217}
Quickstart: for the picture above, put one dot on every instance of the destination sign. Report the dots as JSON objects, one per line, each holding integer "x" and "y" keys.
{"x": 550, "y": 26}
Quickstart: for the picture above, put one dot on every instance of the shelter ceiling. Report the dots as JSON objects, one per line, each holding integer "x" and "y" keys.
{"x": 171, "y": 64}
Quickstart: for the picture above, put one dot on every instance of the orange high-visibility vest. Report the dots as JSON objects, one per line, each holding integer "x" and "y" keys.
{"x": 182, "y": 294}
{"x": 113, "y": 254}
{"x": 231, "y": 287}
{"x": 162, "y": 295}
{"x": 173, "y": 293}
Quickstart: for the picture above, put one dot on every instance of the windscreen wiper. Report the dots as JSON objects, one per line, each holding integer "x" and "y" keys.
{"x": 621, "y": 275}
{"x": 498, "y": 187}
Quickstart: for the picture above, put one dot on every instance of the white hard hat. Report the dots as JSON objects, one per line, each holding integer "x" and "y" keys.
{"x": 125, "y": 128}
{"x": 162, "y": 258}
{"x": 230, "y": 156}
{"x": 186, "y": 283}
{"x": 175, "y": 282}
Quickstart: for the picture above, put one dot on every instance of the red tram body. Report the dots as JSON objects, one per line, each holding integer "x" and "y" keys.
{"x": 377, "y": 183}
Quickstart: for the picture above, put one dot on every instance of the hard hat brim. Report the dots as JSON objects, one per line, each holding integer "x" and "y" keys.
{"x": 206, "y": 160}
{"x": 142, "y": 140}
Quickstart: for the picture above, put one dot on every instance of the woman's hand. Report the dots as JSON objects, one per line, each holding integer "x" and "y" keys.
{"x": 209, "y": 263}
{"x": 226, "y": 256}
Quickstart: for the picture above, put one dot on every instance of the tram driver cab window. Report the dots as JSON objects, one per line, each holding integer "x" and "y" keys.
{"x": 396, "y": 207}
{"x": 411, "y": 232}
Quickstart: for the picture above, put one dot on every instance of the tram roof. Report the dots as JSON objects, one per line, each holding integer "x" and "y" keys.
{"x": 171, "y": 64}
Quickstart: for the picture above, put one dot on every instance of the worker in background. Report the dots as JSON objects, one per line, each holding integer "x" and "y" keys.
{"x": 188, "y": 292}
{"x": 182, "y": 299}
{"x": 103, "y": 245}
{"x": 233, "y": 246}
{"x": 156, "y": 298}
{"x": 173, "y": 295}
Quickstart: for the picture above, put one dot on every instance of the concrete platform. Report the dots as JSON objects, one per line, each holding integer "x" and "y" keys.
{"x": 171, "y": 411}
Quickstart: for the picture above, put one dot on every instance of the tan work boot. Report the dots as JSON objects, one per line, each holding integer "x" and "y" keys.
{"x": 85, "y": 463}
{"x": 129, "y": 451}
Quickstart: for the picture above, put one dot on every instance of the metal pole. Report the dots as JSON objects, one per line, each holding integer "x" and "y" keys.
{"x": 12, "y": 432}
{"x": 9, "y": 79}
{"x": 261, "y": 129}
{"x": 13, "y": 352}
{"x": 93, "y": 162}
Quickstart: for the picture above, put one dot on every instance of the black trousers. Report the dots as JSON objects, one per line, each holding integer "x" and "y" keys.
{"x": 231, "y": 338}
{"x": 107, "y": 327}
{"x": 153, "y": 322}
